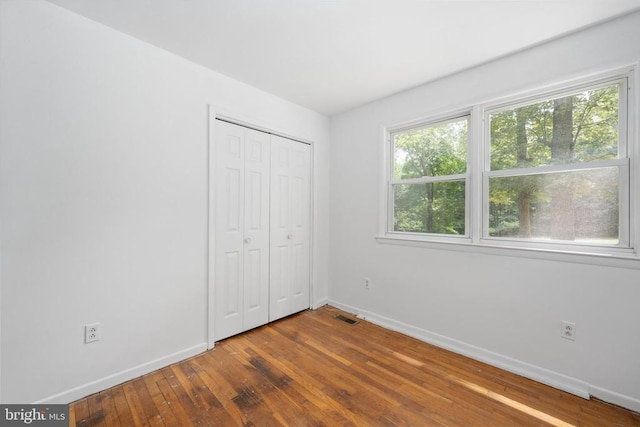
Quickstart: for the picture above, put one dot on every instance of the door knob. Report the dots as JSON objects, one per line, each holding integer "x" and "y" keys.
{"x": 247, "y": 240}
{"x": 290, "y": 236}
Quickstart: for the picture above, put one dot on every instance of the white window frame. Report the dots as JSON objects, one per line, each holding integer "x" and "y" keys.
{"x": 622, "y": 163}
{"x": 391, "y": 181}
{"x": 477, "y": 238}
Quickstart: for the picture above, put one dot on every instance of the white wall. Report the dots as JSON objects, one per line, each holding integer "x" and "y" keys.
{"x": 506, "y": 310}
{"x": 103, "y": 200}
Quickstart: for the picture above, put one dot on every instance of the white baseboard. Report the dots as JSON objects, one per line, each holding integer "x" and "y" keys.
{"x": 615, "y": 398}
{"x": 122, "y": 376}
{"x": 542, "y": 375}
{"x": 320, "y": 303}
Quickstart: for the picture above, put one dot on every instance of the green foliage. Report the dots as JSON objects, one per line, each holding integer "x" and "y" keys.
{"x": 430, "y": 208}
{"x": 436, "y": 207}
{"x": 595, "y": 131}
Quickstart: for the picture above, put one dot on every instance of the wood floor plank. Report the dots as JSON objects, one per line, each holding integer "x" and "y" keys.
{"x": 215, "y": 411}
{"x": 80, "y": 410}
{"x": 109, "y": 408}
{"x": 210, "y": 375}
{"x": 312, "y": 369}
{"x": 125, "y": 414}
{"x": 184, "y": 416}
{"x": 177, "y": 392}
{"x": 153, "y": 417}
{"x": 72, "y": 419}
{"x": 162, "y": 407}
{"x": 94, "y": 402}
{"x": 132, "y": 397}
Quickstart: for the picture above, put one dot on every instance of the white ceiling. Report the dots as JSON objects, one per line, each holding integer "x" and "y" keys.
{"x": 333, "y": 55}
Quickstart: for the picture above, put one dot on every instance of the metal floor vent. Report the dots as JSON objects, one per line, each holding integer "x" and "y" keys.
{"x": 346, "y": 319}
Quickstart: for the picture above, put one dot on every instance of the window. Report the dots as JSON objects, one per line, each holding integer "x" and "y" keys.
{"x": 429, "y": 178}
{"x": 548, "y": 171}
{"x": 556, "y": 167}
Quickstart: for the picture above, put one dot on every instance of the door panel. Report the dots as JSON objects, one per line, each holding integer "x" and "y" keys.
{"x": 256, "y": 229}
{"x": 289, "y": 273}
{"x": 231, "y": 294}
{"x": 242, "y": 229}
{"x": 301, "y": 224}
{"x": 229, "y": 214}
{"x": 232, "y": 200}
{"x": 279, "y": 295}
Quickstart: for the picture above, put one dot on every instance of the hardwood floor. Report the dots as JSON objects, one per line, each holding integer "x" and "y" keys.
{"x": 312, "y": 369}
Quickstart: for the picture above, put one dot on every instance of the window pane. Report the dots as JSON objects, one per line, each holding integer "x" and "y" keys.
{"x": 436, "y": 207}
{"x": 436, "y": 150}
{"x": 582, "y": 127}
{"x": 571, "y": 206}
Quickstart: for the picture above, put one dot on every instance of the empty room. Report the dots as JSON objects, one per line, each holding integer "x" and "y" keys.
{"x": 320, "y": 212}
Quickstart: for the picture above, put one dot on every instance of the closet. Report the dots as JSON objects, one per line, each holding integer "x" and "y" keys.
{"x": 262, "y": 228}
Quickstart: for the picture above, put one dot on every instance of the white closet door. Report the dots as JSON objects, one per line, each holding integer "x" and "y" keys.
{"x": 256, "y": 229}
{"x": 300, "y": 225}
{"x": 290, "y": 189}
{"x": 242, "y": 229}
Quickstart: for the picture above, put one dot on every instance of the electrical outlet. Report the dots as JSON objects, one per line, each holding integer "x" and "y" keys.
{"x": 367, "y": 283}
{"x": 91, "y": 332}
{"x": 568, "y": 330}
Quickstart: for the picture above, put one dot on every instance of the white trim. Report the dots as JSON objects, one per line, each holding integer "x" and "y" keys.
{"x": 384, "y": 188}
{"x": 430, "y": 179}
{"x": 426, "y": 237}
{"x": 211, "y": 255}
{"x": 615, "y": 398}
{"x": 79, "y": 392}
{"x": 557, "y": 168}
{"x": 621, "y": 259}
{"x": 633, "y": 151}
{"x": 476, "y": 151}
{"x": 559, "y": 88}
{"x": 262, "y": 129}
{"x": 624, "y": 211}
{"x": 312, "y": 225}
{"x": 319, "y": 303}
{"x": 432, "y": 120}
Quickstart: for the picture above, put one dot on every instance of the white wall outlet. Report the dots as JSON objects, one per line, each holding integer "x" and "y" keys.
{"x": 367, "y": 283}
{"x": 91, "y": 332}
{"x": 568, "y": 330}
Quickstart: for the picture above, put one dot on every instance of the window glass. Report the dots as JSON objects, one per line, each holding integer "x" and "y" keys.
{"x": 564, "y": 203}
{"x": 435, "y": 207}
{"x": 434, "y": 150}
{"x": 580, "y": 206}
{"x": 582, "y": 127}
{"x": 429, "y": 171}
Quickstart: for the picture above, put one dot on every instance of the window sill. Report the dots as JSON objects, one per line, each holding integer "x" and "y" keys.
{"x": 618, "y": 258}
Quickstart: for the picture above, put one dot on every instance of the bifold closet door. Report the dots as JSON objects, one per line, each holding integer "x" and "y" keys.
{"x": 242, "y": 175}
{"x": 290, "y": 227}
